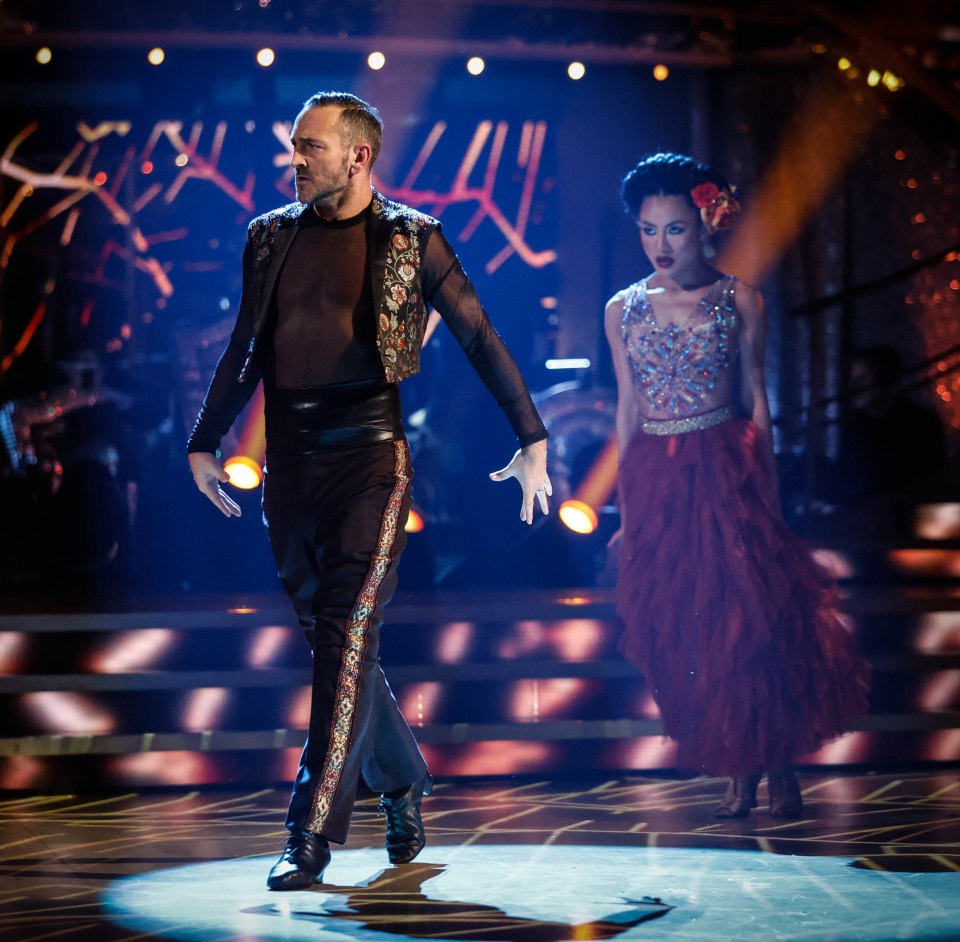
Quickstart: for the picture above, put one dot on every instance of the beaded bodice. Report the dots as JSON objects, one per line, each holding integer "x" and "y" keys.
{"x": 682, "y": 369}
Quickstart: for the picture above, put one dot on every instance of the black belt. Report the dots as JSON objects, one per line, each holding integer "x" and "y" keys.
{"x": 323, "y": 418}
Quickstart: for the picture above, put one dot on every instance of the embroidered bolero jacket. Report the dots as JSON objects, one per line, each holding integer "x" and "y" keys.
{"x": 412, "y": 265}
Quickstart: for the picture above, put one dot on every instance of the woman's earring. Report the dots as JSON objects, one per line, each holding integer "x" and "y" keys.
{"x": 708, "y": 250}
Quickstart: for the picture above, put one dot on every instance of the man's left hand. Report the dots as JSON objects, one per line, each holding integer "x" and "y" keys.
{"x": 529, "y": 467}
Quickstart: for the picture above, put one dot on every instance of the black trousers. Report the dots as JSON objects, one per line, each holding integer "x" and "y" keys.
{"x": 335, "y": 521}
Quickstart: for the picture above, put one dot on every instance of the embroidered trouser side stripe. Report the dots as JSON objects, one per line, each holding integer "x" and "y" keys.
{"x": 358, "y": 622}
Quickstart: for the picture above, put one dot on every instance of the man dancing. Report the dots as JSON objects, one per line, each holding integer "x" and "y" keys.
{"x": 334, "y": 307}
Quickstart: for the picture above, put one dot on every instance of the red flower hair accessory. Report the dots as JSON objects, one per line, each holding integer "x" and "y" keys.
{"x": 718, "y": 207}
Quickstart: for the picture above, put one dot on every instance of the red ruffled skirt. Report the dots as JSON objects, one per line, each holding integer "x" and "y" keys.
{"x": 735, "y": 627}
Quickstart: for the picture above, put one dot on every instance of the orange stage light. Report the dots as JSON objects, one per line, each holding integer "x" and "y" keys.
{"x": 415, "y": 522}
{"x": 245, "y": 466}
{"x": 579, "y": 512}
{"x": 244, "y": 472}
{"x": 578, "y": 516}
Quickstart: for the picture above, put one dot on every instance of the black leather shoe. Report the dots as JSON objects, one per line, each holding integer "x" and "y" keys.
{"x": 405, "y": 837}
{"x": 302, "y": 862}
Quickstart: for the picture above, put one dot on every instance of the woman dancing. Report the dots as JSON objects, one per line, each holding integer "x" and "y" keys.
{"x": 731, "y": 621}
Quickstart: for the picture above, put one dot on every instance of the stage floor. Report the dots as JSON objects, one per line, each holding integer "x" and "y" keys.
{"x": 874, "y": 857}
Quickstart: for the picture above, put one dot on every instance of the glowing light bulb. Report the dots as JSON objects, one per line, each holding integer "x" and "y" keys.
{"x": 266, "y": 57}
{"x": 660, "y": 72}
{"x": 156, "y": 56}
{"x": 376, "y": 61}
{"x": 576, "y": 71}
{"x": 873, "y": 78}
{"x": 475, "y": 65}
{"x": 44, "y": 55}
{"x": 843, "y": 63}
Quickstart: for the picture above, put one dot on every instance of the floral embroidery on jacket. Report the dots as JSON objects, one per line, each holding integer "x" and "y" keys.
{"x": 263, "y": 230}
{"x": 402, "y": 314}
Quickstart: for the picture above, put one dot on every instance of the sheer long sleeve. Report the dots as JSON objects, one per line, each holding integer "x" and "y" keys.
{"x": 226, "y": 397}
{"x": 447, "y": 288}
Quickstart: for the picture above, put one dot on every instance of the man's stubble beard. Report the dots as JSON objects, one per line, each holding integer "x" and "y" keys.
{"x": 326, "y": 198}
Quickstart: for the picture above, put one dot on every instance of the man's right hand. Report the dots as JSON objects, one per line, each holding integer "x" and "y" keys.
{"x": 209, "y": 474}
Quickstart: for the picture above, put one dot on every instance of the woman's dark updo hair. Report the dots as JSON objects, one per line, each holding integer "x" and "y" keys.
{"x": 666, "y": 175}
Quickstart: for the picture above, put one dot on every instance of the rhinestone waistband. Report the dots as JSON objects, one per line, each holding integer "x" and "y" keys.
{"x": 691, "y": 423}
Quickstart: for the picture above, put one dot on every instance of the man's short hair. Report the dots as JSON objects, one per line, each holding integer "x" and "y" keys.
{"x": 359, "y": 120}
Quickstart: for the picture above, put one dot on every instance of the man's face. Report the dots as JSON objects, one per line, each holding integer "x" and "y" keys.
{"x": 320, "y": 160}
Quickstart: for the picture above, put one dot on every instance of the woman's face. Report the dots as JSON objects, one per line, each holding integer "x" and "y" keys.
{"x": 670, "y": 234}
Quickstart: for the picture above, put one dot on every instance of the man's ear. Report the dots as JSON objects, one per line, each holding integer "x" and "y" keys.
{"x": 362, "y": 158}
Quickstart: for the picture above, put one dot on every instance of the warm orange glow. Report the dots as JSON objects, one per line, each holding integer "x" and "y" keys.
{"x": 601, "y": 479}
{"x": 178, "y": 767}
{"x": 595, "y": 489}
{"x": 244, "y": 472}
{"x": 204, "y": 709}
{"x": 546, "y": 698}
{"x": 298, "y": 710}
{"x": 815, "y": 151}
{"x": 419, "y": 702}
{"x": 850, "y": 748}
{"x": 44, "y": 55}
{"x": 13, "y": 646}
{"x": 64, "y": 712}
{"x": 453, "y": 641}
{"x": 156, "y": 56}
{"x": 499, "y": 758}
{"x": 136, "y": 650}
{"x": 939, "y": 633}
{"x": 927, "y": 562}
{"x": 578, "y": 516}
{"x": 267, "y": 645}
{"x": 837, "y": 564}
{"x": 661, "y": 73}
{"x": 937, "y": 521}
{"x": 246, "y": 466}
{"x": 415, "y": 522}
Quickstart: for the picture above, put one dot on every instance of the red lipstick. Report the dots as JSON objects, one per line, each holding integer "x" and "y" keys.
{"x": 664, "y": 261}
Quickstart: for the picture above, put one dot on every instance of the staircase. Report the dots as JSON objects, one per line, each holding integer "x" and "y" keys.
{"x": 214, "y": 690}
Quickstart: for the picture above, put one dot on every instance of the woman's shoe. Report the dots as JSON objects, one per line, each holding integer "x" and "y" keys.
{"x": 785, "y": 798}
{"x": 740, "y": 797}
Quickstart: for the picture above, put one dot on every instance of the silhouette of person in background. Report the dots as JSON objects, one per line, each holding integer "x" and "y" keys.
{"x": 893, "y": 450}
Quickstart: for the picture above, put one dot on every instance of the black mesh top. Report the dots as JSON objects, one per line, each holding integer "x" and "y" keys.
{"x": 325, "y": 331}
